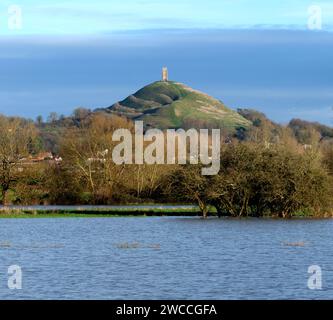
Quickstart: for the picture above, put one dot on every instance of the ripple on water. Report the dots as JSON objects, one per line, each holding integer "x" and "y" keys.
{"x": 166, "y": 258}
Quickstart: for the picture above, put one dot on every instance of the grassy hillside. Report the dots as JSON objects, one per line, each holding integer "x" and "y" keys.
{"x": 173, "y": 105}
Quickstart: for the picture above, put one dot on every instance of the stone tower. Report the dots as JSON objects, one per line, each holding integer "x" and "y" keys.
{"x": 165, "y": 75}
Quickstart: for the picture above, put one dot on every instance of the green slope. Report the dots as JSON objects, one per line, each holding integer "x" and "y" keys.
{"x": 173, "y": 105}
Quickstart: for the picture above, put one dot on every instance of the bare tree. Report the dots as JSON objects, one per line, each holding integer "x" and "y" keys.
{"x": 52, "y": 118}
{"x": 16, "y": 137}
{"x": 87, "y": 153}
{"x": 81, "y": 113}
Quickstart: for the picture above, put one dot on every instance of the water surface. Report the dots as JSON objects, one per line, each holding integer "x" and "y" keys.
{"x": 165, "y": 258}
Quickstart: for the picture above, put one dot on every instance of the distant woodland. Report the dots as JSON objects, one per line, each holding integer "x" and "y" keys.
{"x": 267, "y": 169}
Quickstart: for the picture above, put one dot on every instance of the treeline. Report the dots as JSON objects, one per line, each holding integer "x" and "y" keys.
{"x": 265, "y": 171}
{"x": 256, "y": 180}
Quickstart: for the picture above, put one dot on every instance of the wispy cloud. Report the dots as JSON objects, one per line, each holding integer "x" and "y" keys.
{"x": 100, "y": 16}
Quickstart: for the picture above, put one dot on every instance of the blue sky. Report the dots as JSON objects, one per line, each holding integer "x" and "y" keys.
{"x": 256, "y": 54}
{"x": 99, "y": 16}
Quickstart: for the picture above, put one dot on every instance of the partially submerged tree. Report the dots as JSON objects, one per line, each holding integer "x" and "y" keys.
{"x": 189, "y": 185}
{"x": 256, "y": 180}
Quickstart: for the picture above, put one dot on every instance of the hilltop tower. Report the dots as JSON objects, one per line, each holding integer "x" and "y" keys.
{"x": 165, "y": 75}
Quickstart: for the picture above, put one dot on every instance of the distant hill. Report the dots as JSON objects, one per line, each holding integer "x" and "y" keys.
{"x": 168, "y": 104}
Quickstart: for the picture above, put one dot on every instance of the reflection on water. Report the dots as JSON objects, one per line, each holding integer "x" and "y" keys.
{"x": 166, "y": 258}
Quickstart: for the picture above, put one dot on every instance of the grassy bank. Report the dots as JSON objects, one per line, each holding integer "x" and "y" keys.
{"x": 91, "y": 212}
{"x": 60, "y": 215}
{"x": 138, "y": 210}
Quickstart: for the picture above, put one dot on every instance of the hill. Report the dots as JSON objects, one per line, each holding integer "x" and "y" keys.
{"x": 168, "y": 104}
